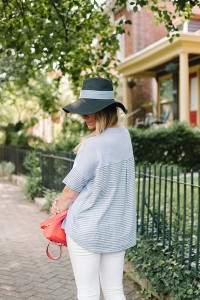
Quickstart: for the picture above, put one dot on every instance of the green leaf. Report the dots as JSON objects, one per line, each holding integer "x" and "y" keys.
{"x": 128, "y": 22}
{"x": 51, "y": 31}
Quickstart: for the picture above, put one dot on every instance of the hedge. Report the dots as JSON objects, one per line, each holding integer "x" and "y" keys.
{"x": 178, "y": 144}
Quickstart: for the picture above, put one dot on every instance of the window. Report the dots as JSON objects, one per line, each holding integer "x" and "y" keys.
{"x": 193, "y": 25}
{"x": 166, "y": 96}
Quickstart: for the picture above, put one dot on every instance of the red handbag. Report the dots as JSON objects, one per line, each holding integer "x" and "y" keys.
{"x": 52, "y": 231}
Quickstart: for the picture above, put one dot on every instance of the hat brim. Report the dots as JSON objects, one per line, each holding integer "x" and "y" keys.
{"x": 91, "y": 106}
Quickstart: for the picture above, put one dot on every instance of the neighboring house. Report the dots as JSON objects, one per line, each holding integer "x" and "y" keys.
{"x": 157, "y": 75}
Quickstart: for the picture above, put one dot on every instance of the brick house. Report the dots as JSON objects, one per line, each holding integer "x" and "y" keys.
{"x": 158, "y": 76}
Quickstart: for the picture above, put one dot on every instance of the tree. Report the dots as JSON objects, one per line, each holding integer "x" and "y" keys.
{"x": 22, "y": 108}
{"x": 165, "y": 11}
{"x": 73, "y": 36}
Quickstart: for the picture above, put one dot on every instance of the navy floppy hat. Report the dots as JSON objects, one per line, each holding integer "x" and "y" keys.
{"x": 96, "y": 94}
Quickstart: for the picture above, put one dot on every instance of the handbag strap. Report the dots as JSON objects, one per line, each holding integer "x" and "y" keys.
{"x": 51, "y": 256}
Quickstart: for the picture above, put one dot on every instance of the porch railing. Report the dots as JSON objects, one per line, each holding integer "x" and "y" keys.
{"x": 168, "y": 200}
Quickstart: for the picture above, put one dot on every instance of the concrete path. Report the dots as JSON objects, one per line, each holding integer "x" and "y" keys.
{"x": 25, "y": 270}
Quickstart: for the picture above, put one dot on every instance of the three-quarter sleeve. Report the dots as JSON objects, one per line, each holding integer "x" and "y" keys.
{"x": 84, "y": 167}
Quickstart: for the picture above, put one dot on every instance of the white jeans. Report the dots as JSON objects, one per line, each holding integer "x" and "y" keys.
{"x": 92, "y": 268}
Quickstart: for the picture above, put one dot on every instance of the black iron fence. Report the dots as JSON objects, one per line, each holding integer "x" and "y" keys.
{"x": 168, "y": 200}
{"x": 15, "y": 155}
{"x": 54, "y": 166}
{"x": 168, "y": 206}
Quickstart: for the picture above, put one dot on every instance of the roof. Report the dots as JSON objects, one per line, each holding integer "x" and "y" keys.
{"x": 144, "y": 62}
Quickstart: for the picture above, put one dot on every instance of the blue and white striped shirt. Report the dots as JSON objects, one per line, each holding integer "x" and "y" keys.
{"x": 103, "y": 216}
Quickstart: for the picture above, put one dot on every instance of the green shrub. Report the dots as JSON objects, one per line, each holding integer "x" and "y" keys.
{"x": 7, "y": 168}
{"x": 162, "y": 268}
{"x": 66, "y": 145}
{"x": 33, "y": 186}
{"x": 50, "y": 196}
{"x": 162, "y": 264}
{"x": 178, "y": 144}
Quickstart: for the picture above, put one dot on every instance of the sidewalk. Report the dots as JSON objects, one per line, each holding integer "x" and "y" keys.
{"x": 25, "y": 270}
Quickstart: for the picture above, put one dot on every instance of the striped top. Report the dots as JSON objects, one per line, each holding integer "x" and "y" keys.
{"x": 103, "y": 216}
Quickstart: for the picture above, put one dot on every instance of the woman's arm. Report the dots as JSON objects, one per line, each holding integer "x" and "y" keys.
{"x": 63, "y": 202}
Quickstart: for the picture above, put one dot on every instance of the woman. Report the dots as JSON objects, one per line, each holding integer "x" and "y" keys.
{"x": 100, "y": 194}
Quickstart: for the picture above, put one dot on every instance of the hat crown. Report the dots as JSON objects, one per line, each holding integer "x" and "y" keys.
{"x": 95, "y": 95}
{"x": 97, "y": 84}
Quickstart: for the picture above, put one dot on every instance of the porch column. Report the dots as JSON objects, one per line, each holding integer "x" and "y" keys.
{"x": 184, "y": 100}
{"x": 126, "y": 100}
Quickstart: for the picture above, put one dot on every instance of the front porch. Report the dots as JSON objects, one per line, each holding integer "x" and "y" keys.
{"x": 176, "y": 69}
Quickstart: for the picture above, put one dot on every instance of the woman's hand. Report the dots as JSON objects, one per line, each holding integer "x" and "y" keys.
{"x": 63, "y": 202}
{"x": 54, "y": 209}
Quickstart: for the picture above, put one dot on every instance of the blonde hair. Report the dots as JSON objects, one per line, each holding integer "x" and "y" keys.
{"x": 104, "y": 118}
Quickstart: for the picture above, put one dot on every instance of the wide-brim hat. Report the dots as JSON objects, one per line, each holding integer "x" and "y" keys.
{"x": 96, "y": 94}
